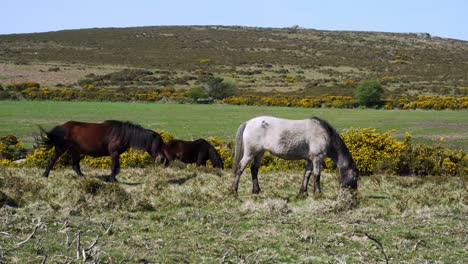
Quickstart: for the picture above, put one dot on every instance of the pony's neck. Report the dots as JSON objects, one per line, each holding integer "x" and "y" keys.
{"x": 342, "y": 160}
{"x": 340, "y": 153}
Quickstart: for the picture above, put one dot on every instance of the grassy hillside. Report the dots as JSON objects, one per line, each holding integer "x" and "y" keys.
{"x": 190, "y": 121}
{"x": 258, "y": 59}
{"x": 179, "y": 214}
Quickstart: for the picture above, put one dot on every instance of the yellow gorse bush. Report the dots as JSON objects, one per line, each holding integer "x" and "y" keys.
{"x": 371, "y": 150}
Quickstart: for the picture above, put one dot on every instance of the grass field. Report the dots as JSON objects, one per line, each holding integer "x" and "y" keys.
{"x": 188, "y": 121}
{"x": 184, "y": 214}
{"x": 179, "y": 214}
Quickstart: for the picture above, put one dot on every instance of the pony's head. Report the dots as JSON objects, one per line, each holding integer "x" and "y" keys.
{"x": 349, "y": 176}
{"x": 155, "y": 148}
{"x": 215, "y": 158}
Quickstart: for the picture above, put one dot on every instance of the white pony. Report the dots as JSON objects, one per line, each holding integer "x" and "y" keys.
{"x": 310, "y": 139}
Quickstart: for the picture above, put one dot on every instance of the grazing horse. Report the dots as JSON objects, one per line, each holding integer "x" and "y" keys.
{"x": 110, "y": 138}
{"x": 198, "y": 151}
{"x": 311, "y": 139}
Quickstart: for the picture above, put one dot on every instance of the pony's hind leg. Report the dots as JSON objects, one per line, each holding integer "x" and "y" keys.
{"x": 305, "y": 181}
{"x": 240, "y": 169}
{"x": 254, "y": 170}
{"x": 76, "y": 163}
{"x": 58, "y": 151}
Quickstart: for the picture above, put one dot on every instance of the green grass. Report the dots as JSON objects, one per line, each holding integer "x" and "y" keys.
{"x": 188, "y": 121}
{"x": 168, "y": 215}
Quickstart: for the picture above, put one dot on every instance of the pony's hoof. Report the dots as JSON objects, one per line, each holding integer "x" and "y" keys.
{"x": 302, "y": 195}
{"x": 256, "y": 191}
{"x": 108, "y": 179}
{"x": 112, "y": 179}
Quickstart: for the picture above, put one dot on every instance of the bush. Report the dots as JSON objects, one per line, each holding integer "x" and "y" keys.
{"x": 372, "y": 151}
{"x": 218, "y": 88}
{"x": 11, "y": 148}
{"x": 368, "y": 93}
{"x": 196, "y": 93}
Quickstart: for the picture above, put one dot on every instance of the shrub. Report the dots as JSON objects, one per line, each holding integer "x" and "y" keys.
{"x": 369, "y": 148}
{"x": 368, "y": 93}
{"x": 11, "y": 148}
{"x": 196, "y": 93}
{"x": 218, "y": 88}
{"x": 372, "y": 151}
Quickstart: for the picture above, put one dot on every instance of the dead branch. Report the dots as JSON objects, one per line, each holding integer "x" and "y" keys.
{"x": 5, "y": 233}
{"x": 65, "y": 225}
{"x": 381, "y": 246}
{"x": 78, "y": 253}
{"x": 109, "y": 228}
{"x": 44, "y": 259}
{"x": 420, "y": 242}
{"x": 93, "y": 244}
{"x": 85, "y": 257}
{"x": 30, "y": 236}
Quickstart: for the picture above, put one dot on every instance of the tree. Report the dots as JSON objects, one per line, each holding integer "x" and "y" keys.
{"x": 218, "y": 88}
{"x": 368, "y": 93}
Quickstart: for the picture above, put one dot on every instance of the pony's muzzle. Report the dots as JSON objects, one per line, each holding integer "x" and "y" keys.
{"x": 350, "y": 185}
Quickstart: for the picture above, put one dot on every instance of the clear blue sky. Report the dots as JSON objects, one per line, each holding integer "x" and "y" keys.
{"x": 444, "y": 18}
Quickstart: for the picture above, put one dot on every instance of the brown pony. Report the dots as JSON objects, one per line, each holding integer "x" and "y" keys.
{"x": 198, "y": 151}
{"x": 110, "y": 138}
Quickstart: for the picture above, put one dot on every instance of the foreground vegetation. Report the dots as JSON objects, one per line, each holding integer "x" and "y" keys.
{"x": 182, "y": 214}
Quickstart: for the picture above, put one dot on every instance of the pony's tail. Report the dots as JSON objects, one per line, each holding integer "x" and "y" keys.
{"x": 239, "y": 149}
{"x": 49, "y": 139}
{"x": 216, "y": 159}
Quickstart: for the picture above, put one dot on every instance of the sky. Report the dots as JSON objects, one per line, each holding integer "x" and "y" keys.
{"x": 444, "y": 18}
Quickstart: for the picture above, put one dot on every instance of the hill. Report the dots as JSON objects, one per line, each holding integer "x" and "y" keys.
{"x": 259, "y": 59}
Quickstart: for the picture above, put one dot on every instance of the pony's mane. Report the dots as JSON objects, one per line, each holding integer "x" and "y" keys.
{"x": 131, "y": 134}
{"x": 337, "y": 142}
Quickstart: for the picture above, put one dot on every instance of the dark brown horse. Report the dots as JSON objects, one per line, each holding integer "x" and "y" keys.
{"x": 110, "y": 138}
{"x": 198, "y": 151}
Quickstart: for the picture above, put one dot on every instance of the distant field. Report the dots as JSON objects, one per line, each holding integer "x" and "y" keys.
{"x": 188, "y": 121}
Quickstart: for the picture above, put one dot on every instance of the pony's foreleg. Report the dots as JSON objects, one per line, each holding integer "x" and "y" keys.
{"x": 58, "y": 151}
{"x": 201, "y": 160}
{"x": 317, "y": 167}
{"x": 305, "y": 181}
{"x": 115, "y": 167}
{"x": 254, "y": 171}
{"x": 76, "y": 163}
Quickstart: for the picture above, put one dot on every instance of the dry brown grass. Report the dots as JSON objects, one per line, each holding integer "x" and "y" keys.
{"x": 187, "y": 214}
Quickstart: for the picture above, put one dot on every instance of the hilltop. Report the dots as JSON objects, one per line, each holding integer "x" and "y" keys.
{"x": 258, "y": 59}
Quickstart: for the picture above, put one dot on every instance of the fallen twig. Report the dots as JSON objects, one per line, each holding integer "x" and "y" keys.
{"x": 5, "y": 233}
{"x": 44, "y": 259}
{"x": 65, "y": 225}
{"x": 109, "y": 228}
{"x": 420, "y": 242}
{"x": 30, "y": 236}
{"x": 93, "y": 244}
{"x": 381, "y": 246}
{"x": 78, "y": 253}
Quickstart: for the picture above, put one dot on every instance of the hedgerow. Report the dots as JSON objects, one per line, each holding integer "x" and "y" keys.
{"x": 89, "y": 92}
{"x": 372, "y": 151}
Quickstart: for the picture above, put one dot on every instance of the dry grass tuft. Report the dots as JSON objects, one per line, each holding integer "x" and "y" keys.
{"x": 344, "y": 202}
{"x": 270, "y": 206}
